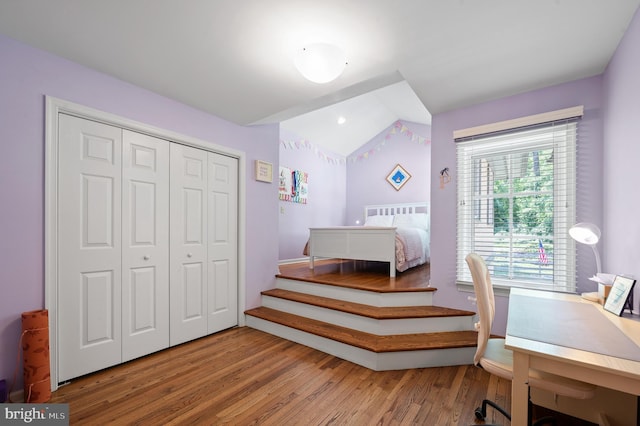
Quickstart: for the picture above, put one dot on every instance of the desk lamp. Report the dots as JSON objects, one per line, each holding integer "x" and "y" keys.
{"x": 589, "y": 234}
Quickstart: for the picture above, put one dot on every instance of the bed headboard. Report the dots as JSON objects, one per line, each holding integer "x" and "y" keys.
{"x": 395, "y": 209}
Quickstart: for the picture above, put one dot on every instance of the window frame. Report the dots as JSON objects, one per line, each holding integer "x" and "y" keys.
{"x": 564, "y": 193}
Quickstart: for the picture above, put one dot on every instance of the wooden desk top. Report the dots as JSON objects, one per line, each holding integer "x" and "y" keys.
{"x": 520, "y": 308}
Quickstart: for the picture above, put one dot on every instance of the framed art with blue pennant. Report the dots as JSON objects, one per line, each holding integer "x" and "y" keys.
{"x": 398, "y": 177}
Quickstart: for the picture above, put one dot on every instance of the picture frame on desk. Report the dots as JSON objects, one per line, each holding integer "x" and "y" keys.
{"x": 618, "y": 295}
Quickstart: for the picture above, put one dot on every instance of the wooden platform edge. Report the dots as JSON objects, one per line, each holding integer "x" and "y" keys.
{"x": 355, "y": 286}
{"x": 367, "y": 341}
{"x": 368, "y": 311}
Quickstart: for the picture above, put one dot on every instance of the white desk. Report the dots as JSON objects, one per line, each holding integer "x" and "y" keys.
{"x": 584, "y": 360}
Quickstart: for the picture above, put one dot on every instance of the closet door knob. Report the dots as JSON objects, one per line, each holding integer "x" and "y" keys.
{"x": 189, "y": 255}
{"x": 146, "y": 257}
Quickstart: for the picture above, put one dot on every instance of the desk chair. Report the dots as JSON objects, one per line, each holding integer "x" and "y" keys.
{"x": 492, "y": 356}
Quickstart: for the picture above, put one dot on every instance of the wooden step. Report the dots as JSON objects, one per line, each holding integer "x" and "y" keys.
{"x": 367, "y": 341}
{"x": 375, "y": 312}
{"x": 357, "y": 295}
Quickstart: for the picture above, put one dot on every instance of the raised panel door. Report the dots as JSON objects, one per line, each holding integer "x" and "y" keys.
{"x": 145, "y": 244}
{"x": 89, "y": 267}
{"x": 222, "y": 303}
{"x": 188, "y": 244}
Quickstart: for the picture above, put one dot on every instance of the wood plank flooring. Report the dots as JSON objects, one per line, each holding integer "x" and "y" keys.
{"x": 246, "y": 377}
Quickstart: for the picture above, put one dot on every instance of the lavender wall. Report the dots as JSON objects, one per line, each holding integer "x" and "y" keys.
{"x": 621, "y": 232}
{"x": 587, "y": 92}
{"x": 404, "y": 143}
{"x": 327, "y": 194}
{"x": 26, "y": 76}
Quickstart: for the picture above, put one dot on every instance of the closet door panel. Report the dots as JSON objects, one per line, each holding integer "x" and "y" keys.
{"x": 222, "y": 242}
{"x": 97, "y": 307}
{"x": 188, "y": 234}
{"x": 147, "y": 245}
{"x": 89, "y": 264}
{"x": 145, "y": 248}
{"x": 192, "y": 294}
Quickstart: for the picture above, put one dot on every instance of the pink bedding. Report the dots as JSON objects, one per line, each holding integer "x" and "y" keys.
{"x": 409, "y": 248}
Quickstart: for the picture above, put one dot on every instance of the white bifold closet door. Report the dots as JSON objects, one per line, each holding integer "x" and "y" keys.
{"x": 114, "y": 247}
{"x": 89, "y": 247}
{"x": 222, "y": 243}
{"x": 147, "y": 245}
{"x": 204, "y": 200}
{"x": 188, "y": 243}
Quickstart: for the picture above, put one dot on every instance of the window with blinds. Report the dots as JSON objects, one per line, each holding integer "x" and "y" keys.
{"x": 516, "y": 203}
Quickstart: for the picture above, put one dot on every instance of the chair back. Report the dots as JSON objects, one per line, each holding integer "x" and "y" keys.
{"x": 484, "y": 300}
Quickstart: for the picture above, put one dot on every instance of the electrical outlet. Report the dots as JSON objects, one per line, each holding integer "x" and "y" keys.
{"x": 3, "y": 391}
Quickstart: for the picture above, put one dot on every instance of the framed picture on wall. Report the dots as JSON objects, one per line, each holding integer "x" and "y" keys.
{"x": 398, "y": 177}
{"x": 264, "y": 171}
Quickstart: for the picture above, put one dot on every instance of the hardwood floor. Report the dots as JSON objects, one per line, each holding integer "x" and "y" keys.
{"x": 243, "y": 376}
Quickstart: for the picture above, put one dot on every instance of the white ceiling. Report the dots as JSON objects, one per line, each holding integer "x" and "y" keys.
{"x": 234, "y": 58}
{"x": 365, "y": 117}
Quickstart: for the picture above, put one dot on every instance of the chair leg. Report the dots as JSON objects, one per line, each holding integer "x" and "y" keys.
{"x": 481, "y": 412}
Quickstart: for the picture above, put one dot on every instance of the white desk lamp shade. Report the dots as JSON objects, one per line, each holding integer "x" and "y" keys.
{"x": 320, "y": 62}
{"x": 589, "y": 234}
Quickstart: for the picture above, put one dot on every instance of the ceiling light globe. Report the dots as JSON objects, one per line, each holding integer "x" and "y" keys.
{"x": 320, "y": 62}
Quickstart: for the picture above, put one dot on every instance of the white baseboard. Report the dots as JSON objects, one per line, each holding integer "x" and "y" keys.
{"x": 288, "y": 261}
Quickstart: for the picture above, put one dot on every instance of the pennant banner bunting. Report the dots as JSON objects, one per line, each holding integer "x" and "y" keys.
{"x": 305, "y": 144}
{"x": 396, "y": 128}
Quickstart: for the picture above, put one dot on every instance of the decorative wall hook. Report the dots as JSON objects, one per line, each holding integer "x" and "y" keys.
{"x": 444, "y": 177}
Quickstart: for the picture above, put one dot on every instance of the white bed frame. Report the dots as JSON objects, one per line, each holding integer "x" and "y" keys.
{"x": 377, "y": 243}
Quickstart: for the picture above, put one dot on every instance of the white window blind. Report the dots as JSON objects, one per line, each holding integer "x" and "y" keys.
{"x": 516, "y": 202}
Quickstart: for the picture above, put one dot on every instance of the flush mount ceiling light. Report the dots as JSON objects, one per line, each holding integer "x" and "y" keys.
{"x": 320, "y": 62}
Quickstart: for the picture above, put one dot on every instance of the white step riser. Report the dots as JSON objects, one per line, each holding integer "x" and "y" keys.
{"x": 375, "y": 361}
{"x": 370, "y": 325}
{"x": 422, "y": 298}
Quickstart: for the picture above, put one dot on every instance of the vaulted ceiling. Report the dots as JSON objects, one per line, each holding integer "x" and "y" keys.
{"x": 234, "y": 58}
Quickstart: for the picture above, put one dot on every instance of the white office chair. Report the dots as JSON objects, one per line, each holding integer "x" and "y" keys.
{"x": 493, "y": 357}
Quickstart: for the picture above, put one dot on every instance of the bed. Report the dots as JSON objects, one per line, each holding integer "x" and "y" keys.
{"x": 394, "y": 233}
